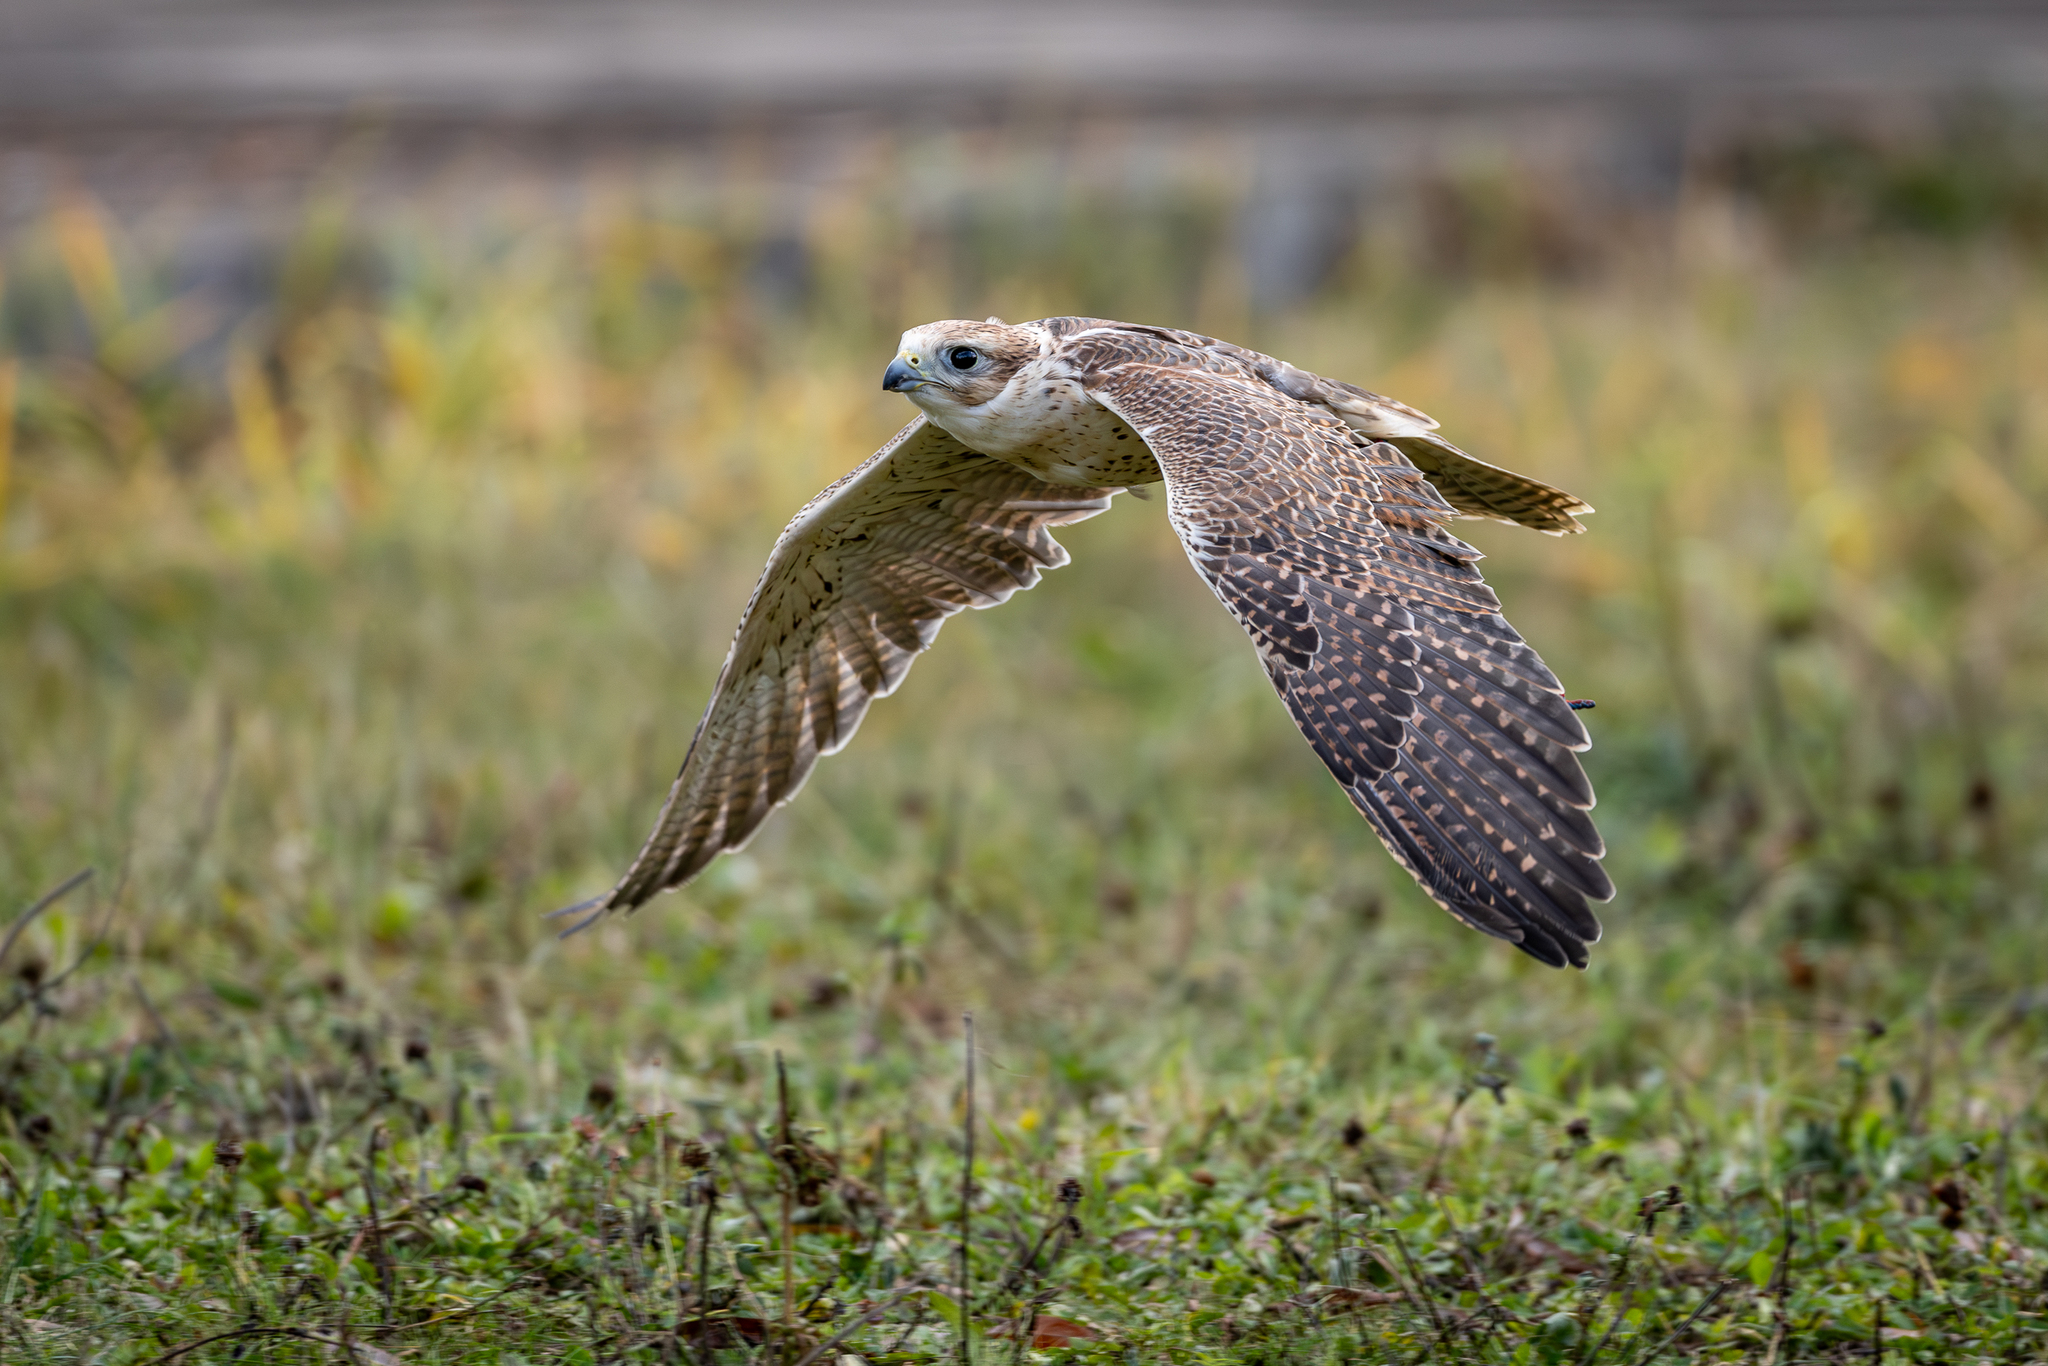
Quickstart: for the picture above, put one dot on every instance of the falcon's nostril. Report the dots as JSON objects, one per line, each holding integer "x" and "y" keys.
{"x": 901, "y": 375}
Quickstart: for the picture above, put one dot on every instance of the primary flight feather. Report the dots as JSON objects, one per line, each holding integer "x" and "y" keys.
{"x": 1315, "y": 510}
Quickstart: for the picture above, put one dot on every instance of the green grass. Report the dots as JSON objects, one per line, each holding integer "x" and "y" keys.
{"x": 345, "y": 648}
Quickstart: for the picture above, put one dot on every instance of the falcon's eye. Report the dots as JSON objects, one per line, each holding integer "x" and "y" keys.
{"x": 963, "y": 357}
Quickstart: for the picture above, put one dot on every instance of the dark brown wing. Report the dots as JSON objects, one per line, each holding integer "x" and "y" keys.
{"x": 1450, "y": 735}
{"x": 856, "y": 587}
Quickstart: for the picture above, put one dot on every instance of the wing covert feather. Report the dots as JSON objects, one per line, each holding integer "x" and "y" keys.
{"x": 1465, "y": 485}
{"x": 857, "y": 586}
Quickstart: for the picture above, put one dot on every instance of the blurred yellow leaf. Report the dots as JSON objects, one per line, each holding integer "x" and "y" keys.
{"x": 10, "y": 372}
{"x": 80, "y": 231}
{"x": 1983, "y": 488}
{"x": 1803, "y": 430}
{"x": 409, "y": 358}
{"x": 1924, "y": 370}
{"x": 257, "y": 429}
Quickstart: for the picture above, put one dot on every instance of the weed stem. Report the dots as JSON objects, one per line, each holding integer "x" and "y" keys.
{"x": 967, "y": 1196}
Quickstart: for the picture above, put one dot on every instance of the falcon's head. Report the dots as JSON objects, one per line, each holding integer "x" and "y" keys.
{"x": 944, "y": 367}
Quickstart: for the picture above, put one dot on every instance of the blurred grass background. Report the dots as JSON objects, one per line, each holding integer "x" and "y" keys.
{"x": 346, "y": 633}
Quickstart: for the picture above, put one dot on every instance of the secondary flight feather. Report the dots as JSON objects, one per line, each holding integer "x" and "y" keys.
{"x": 1315, "y": 510}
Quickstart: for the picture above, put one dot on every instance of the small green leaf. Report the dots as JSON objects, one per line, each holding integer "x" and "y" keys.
{"x": 1560, "y": 1334}
{"x": 945, "y": 1307}
{"x": 236, "y": 995}
{"x": 159, "y": 1156}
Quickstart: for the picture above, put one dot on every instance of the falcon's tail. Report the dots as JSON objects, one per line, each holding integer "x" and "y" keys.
{"x": 1478, "y": 489}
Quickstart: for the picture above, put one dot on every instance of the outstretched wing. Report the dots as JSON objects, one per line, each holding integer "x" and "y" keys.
{"x": 1446, "y": 730}
{"x": 857, "y": 586}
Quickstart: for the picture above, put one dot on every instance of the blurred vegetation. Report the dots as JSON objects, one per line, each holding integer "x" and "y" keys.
{"x": 350, "y": 622}
{"x": 1977, "y": 174}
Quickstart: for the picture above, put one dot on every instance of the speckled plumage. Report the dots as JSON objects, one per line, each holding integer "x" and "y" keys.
{"x": 1315, "y": 510}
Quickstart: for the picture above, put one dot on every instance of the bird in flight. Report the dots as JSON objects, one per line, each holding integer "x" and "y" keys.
{"x": 1315, "y": 510}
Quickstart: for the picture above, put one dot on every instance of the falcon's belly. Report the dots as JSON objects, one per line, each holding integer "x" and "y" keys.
{"x": 1050, "y": 427}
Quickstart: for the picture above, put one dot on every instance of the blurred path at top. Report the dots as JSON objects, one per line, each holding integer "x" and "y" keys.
{"x": 229, "y": 109}
{"x": 691, "y": 61}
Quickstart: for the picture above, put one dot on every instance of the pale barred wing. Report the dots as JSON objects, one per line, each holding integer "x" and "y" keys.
{"x": 1447, "y": 731}
{"x": 856, "y": 587}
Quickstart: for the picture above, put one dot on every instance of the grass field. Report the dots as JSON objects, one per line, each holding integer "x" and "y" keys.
{"x": 343, "y": 639}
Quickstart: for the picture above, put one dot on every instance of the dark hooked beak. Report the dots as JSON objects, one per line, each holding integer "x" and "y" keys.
{"x": 903, "y": 375}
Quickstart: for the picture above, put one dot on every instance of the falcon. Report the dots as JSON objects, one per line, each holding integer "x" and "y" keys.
{"x": 1315, "y": 510}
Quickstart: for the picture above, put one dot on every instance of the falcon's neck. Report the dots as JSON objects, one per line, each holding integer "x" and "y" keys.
{"x": 1045, "y": 422}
